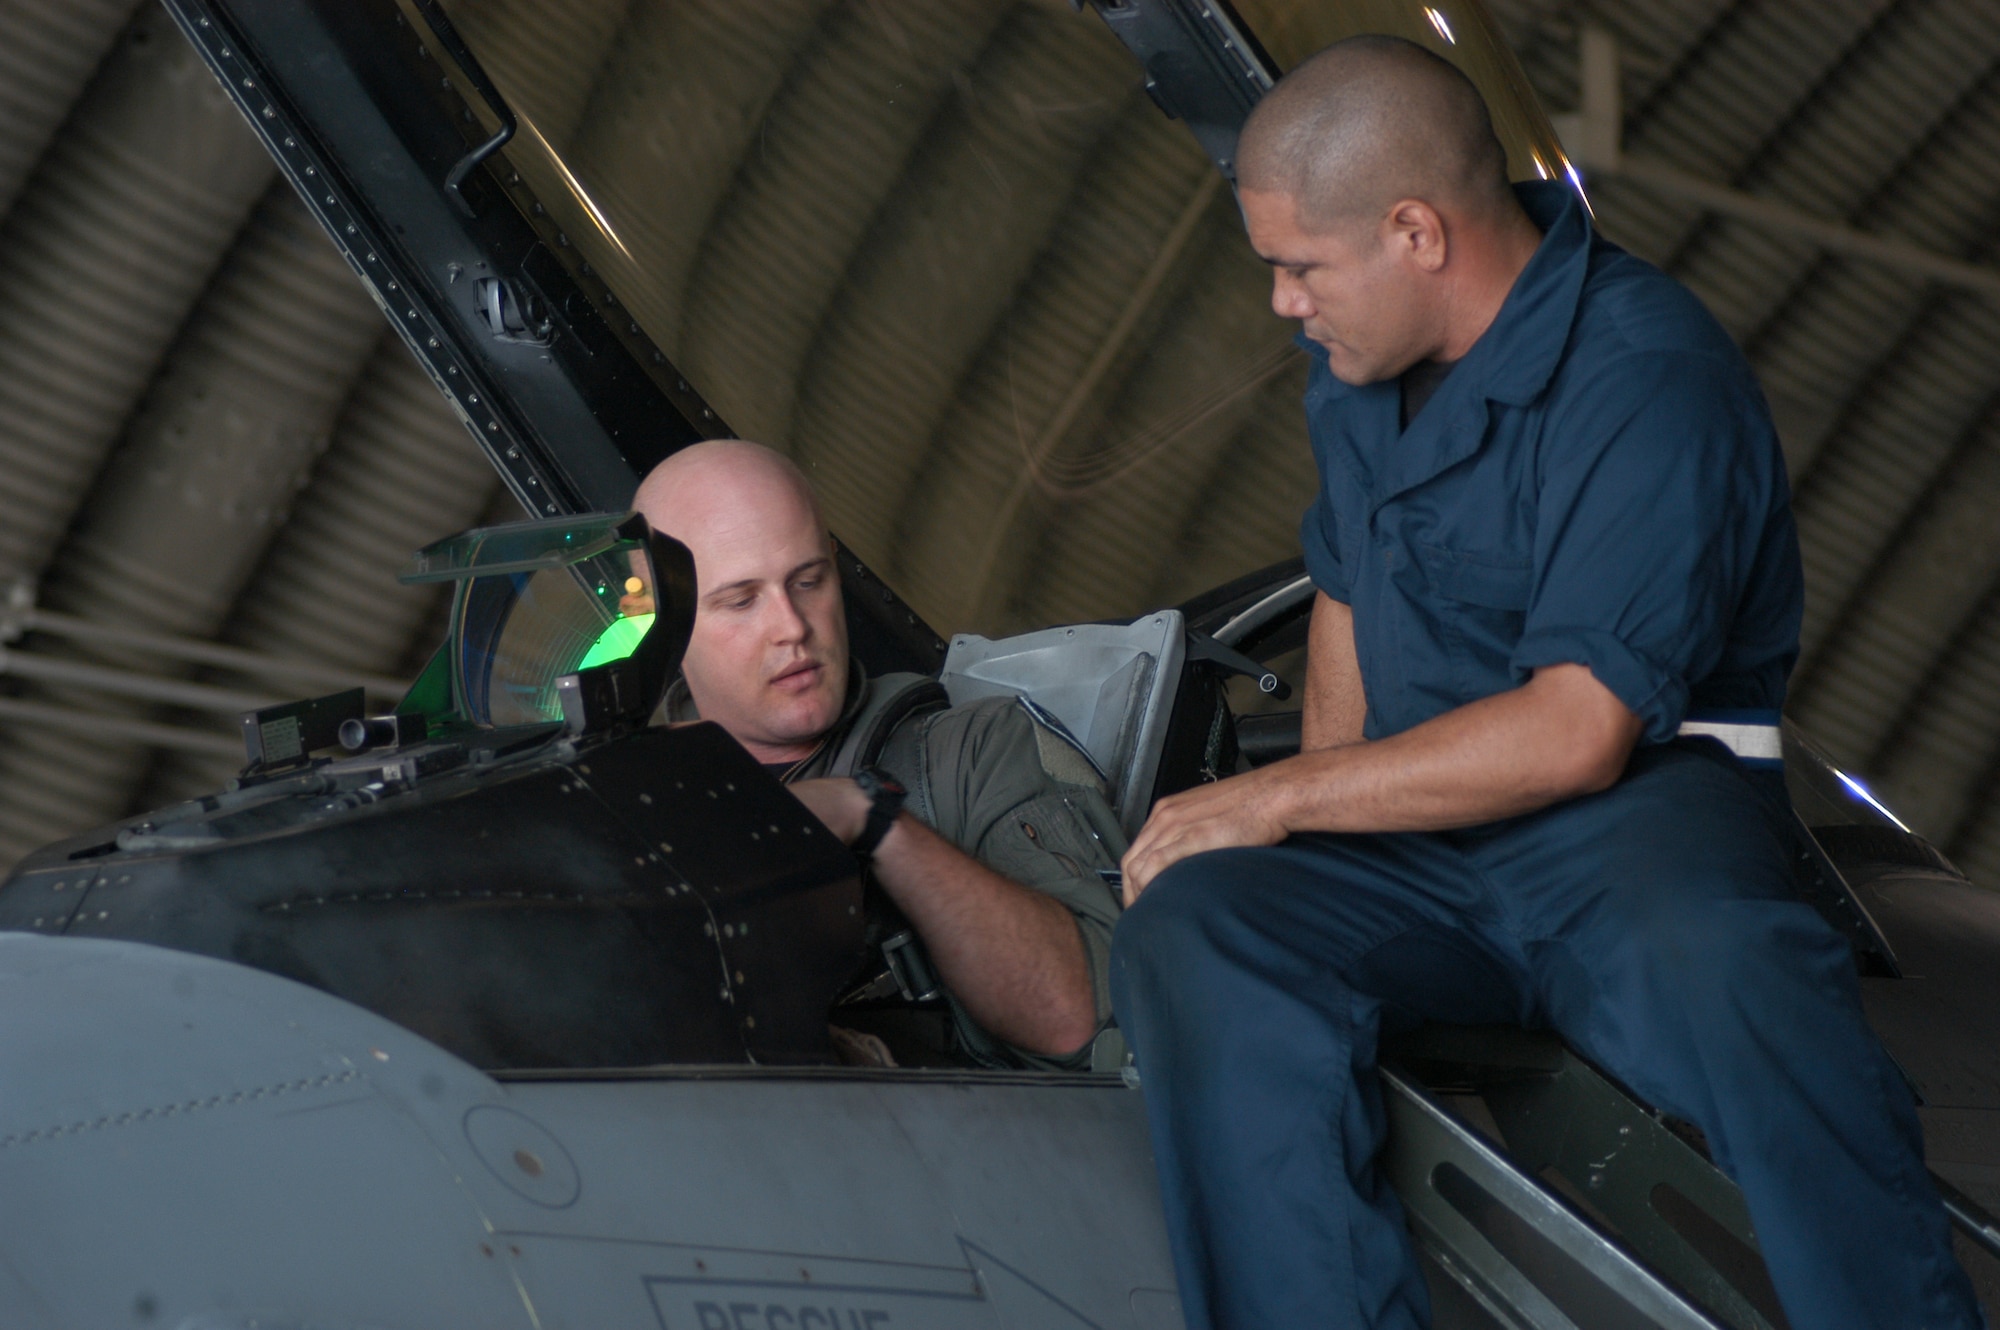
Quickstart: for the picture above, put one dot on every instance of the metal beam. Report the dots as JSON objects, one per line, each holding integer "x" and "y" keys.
{"x": 1525, "y": 1254}
{"x": 1203, "y": 66}
{"x": 92, "y": 725}
{"x": 1594, "y": 135}
{"x": 14, "y": 621}
{"x": 127, "y": 683}
{"x": 1836, "y": 237}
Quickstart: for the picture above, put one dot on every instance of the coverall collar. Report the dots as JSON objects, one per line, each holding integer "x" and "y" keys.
{"x": 1511, "y": 363}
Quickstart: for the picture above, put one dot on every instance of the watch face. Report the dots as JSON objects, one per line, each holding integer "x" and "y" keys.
{"x": 885, "y": 795}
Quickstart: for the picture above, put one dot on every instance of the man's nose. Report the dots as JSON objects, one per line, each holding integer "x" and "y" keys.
{"x": 1288, "y": 297}
{"x": 788, "y": 624}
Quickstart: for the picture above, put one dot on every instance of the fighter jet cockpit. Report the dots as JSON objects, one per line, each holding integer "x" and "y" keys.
{"x": 978, "y": 269}
{"x": 511, "y": 863}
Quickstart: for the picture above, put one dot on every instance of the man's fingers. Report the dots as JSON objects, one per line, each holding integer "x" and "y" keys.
{"x": 1144, "y": 859}
{"x": 1139, "y": 866}
{"x": 1160, "y": 847}
{"x": 1213, "y": 817}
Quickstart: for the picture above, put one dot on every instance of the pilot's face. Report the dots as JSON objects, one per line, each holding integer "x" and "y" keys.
{"x": 768, "y": 657}
{"x": 1354, "y": 290}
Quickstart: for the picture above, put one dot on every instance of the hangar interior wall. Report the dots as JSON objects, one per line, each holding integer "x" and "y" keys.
{"x": 950, "y": 258}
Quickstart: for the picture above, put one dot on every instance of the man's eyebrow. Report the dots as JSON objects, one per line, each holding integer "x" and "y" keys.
{"x": 745, "y": 583}
{"x": 721, "y": 591}
{"x": 810, "y": 565}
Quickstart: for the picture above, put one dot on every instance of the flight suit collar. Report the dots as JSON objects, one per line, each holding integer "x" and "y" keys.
{"x": 1511, "y": 363}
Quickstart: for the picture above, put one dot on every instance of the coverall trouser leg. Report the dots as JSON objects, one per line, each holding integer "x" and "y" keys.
{"x": 1653, "y": 925}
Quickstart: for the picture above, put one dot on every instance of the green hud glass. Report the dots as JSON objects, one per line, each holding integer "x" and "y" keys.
{"x": 543, "y": 602}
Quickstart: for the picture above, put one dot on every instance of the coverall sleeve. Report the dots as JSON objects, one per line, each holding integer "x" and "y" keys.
{"x": 1319, "y": 529}
{"x": 1653, "y": 490}
{"x": 995, "y": 796}
{"x": 1319, "y": 538}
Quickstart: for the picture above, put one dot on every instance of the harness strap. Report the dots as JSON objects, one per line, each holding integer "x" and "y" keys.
{"x": 862, "y": 746}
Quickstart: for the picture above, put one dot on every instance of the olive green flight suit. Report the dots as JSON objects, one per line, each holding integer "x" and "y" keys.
{"x": 1001, "y": 785}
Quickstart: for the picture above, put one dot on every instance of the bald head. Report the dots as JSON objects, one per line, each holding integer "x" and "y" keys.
{"x": 768, "y": 657}
{"x": 720, "y": 478}
{"x": 1370, "y": 121}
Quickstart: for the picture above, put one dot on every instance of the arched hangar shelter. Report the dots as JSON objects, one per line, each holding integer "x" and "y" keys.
{"x": 952, "y": 258}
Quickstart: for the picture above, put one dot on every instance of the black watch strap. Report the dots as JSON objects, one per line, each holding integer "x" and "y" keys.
{"x": 885, "y": 801}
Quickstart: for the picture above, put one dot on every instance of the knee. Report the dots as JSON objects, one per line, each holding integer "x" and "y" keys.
{"x": 1171, "y": 916}
{"x": 1189, "y": 916}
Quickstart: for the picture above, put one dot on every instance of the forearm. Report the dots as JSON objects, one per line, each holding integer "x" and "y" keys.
{"x": 1010, "y": 955}
{"x": 1559, "y": 735}
{"x": 1504, "y": 755}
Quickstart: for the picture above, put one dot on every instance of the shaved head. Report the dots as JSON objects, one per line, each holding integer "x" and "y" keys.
{"x": 731, "y": 474}
{"x": 1370, "y": 121}
{"x": 1371, "y": 182}
{"x": 768, "y": 657}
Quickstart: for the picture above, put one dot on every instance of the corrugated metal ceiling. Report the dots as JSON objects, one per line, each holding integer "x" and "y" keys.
{"x": 206, "y": 429}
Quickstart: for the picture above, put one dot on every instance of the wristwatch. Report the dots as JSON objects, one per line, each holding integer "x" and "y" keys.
{"x": 885, "y": 800}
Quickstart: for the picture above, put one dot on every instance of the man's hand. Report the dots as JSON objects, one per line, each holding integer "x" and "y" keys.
{"x": 836, "y": 801}
{"x": 1244, "y": 810}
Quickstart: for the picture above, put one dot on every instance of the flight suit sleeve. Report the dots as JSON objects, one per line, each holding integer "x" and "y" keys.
{"x": 1657, "y": 491}
{"x": 1024, "y": 802}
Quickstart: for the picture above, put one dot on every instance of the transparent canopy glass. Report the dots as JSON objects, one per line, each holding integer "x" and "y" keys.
{"x": 519, "y": 547}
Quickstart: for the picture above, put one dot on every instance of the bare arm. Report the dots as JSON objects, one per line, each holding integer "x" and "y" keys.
{"x": 1335, "y": 705}
{"x": 1560, "y": 735}
{"x": 1011, "y": 955}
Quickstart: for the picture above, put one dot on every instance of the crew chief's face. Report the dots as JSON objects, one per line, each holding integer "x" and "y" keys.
{"x": 1354, "y": 290}
{"x": 768, "y": 657}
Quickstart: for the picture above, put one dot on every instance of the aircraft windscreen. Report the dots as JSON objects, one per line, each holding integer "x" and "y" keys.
{"x": 519, "y": 547}
{"x": 515, "y": 635}
{"x": 953, "y": 260}
{"x": 537, "y": 600}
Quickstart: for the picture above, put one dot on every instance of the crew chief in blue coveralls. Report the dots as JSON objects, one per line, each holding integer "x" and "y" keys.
{"x": 1581, "y": 534}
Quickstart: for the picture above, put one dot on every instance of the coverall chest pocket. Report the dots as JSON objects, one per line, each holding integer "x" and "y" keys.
{"x": 1481, "y": 604}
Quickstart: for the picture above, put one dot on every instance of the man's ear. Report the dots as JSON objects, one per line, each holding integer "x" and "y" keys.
{"x": 1418, "y": 232}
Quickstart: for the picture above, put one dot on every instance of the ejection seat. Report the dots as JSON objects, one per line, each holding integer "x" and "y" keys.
{"x": 1543, "y": 1194}
{"x": 1142, "y": 699}
{"x": 1109, "y": 688}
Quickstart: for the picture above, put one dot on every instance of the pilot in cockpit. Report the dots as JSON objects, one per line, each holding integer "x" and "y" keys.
{"x": 987, "y": 829}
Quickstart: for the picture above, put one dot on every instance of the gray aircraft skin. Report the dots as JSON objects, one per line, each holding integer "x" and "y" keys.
{"x": 242, "y": 1151}
{"x": 202, "y": 1128}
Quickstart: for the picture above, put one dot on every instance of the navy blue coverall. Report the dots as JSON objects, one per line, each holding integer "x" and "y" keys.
{"x": 1596, "y": 482}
